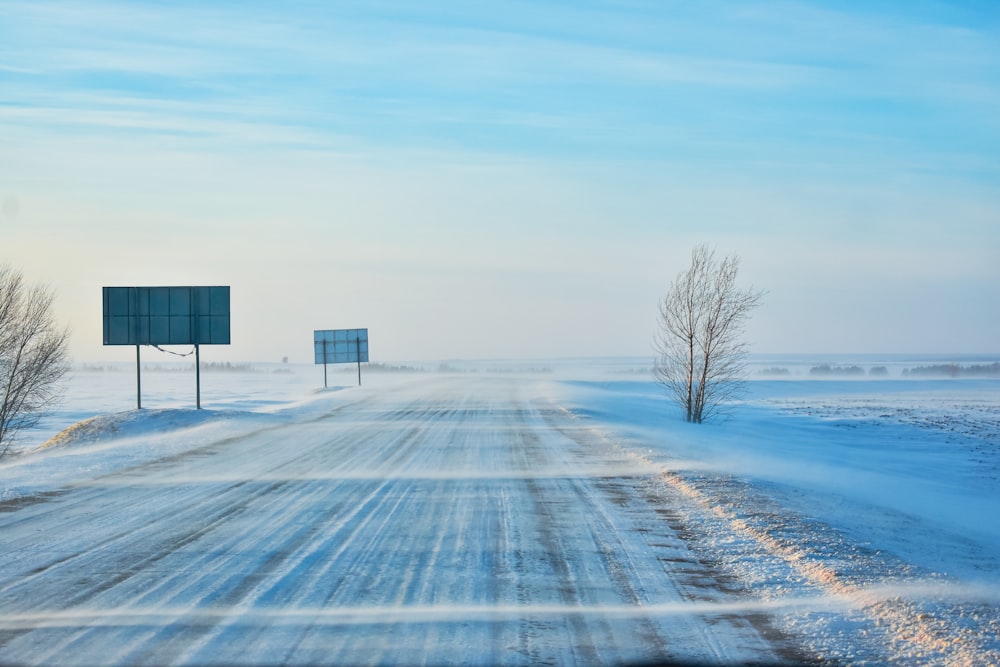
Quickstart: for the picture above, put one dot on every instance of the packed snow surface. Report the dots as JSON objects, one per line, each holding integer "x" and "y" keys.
{"x": 487, "y": 514}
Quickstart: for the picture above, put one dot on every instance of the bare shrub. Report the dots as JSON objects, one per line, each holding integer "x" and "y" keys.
{"x": 33, "y": 355}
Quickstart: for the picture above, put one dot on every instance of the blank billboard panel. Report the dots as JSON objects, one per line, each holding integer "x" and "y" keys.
{"x": 340, "y": 346}
{"x": 166, "y": 315}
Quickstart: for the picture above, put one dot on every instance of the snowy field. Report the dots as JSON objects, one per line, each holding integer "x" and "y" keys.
{"x": 505, "y": 513}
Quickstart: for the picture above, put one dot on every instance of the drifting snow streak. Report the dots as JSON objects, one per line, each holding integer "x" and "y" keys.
{"x": 564, "y": 472}
{"x": 391, "y": 615}
{"x": 79, "y": 618}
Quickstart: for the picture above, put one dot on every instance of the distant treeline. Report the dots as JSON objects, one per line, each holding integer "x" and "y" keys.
{"x": 847, "y": 371}
{"x": 828, "y": 370}
{"x": 227, "y": 367}
{"x": 956, "y": 370}
{"x": 640, "y": 370}
{"x": 527, "y": 369}
{"x": 95, "y": 368}
{"x": 393, "y": 368}
{"x": 208, "y": 366}
{"x": 211, "y": 366}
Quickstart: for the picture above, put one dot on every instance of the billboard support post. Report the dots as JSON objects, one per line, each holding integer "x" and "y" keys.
{"x": 357, "y": 348}
{"x": 197, "y": 376}
{"x": 138, "y": 380}
{"x": 324, "y": 364}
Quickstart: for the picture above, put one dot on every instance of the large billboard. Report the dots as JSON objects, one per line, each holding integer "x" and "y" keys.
{"x": 340, "y": 346}
{"x": 166, "y": 315}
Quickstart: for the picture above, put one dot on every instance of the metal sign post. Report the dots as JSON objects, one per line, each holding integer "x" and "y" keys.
{"x": 197, "y": 376}
{"x": 138, "y": 380}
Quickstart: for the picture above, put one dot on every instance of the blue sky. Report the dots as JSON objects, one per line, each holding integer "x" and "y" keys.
{"x": 510, "y": 179}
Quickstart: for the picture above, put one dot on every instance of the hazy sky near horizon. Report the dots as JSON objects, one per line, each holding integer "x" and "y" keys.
{"x": 508, "y": 180}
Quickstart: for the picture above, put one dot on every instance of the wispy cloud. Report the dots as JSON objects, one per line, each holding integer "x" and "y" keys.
{"x": 588, "y": 82}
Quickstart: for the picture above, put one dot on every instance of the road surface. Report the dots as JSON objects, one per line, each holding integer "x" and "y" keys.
{"x": 456, "y": 520}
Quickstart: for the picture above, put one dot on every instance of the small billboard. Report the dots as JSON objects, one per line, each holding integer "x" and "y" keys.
{"x": 340, "y": 346}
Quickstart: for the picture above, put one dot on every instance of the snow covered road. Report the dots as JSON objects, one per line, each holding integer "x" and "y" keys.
{"x": 451, "y": 520}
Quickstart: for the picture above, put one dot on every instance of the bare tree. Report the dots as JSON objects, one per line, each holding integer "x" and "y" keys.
{"x": 701, "y": 357}
{"x": 33, "y": 356}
